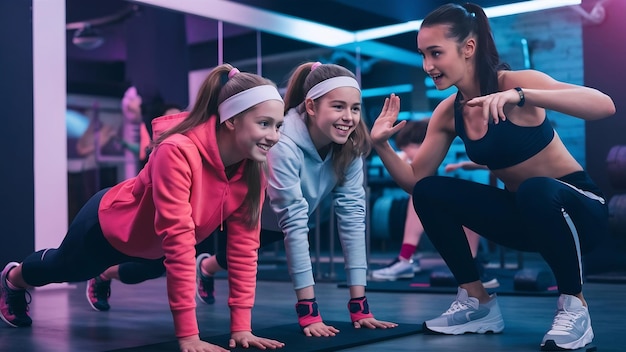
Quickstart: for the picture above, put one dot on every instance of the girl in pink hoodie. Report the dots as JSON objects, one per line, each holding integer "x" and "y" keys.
{"x": 205, "y": 173}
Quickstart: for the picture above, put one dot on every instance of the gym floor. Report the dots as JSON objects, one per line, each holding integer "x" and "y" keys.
{"x": 63, "y": 320}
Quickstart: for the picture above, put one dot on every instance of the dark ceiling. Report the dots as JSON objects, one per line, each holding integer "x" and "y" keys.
{"x": 350, "y": 15}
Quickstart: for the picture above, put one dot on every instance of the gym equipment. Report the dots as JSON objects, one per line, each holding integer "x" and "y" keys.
{"x": 616, "y": 166}
{"x": 617, "y": 215}
{"x": 442, "y": 278}
{"x": 388, "y": 216}
{"x": 534, "y": 279}
{"x": 295, "y": 340}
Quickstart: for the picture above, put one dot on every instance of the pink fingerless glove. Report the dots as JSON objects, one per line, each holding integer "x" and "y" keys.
{"x": 359, "y": 309}
{"x": 308, "y": 313}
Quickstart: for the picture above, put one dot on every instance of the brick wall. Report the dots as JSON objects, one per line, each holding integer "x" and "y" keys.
{"x": 556, "y": 48}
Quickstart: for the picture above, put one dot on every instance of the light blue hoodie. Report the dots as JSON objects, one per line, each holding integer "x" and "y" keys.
{"x": 299, "y": 181}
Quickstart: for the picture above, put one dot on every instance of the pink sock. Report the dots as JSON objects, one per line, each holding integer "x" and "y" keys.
{"x": 407, "y": 250}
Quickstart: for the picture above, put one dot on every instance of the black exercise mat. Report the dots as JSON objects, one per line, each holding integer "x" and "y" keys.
{"x": 295, "y": 341}
{"x": 421, "y": 284}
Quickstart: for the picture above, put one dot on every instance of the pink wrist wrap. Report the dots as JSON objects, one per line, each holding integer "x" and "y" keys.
{"x": 308, "y": 312}
{"x": 359, "y": 309}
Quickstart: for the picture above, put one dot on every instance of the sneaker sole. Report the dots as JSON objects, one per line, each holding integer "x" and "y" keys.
{"x": 587, "y": 338}
{"x": 8, "y": 322}
{"x": 550, "y": 345}
{"x": 496, "y": 326}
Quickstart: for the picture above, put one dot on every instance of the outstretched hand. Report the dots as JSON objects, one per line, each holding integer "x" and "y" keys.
{"x": 320, "y": 329}
{"x": 373, "y": 323}
{"x": 385, "y": 125}
{"x": 246, "y": 339}
{"x": 496, "y": 105}
{"x": 194, "y": 344}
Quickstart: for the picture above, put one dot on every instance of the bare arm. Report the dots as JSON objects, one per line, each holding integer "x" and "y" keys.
{"x": 438, "y": 138}
{"x": 542, "y": 91}
{"x": 464, "y": 165}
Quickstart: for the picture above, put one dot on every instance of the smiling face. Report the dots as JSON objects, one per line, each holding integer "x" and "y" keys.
{"x": 334, "y": 116}
{"x": 443, "y": 60}
{"x": 257, "y": 129}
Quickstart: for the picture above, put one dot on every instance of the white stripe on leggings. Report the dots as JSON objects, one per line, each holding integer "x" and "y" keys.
{"x": 44, "y": 254}
{"x": 572, "y": 228}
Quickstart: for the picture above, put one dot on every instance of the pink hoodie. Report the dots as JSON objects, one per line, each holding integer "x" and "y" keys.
{"x": 178, "y": 199}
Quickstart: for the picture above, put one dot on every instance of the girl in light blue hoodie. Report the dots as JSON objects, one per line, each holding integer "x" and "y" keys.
{"x": 323, "y": 140}
{"x": 319, "y": 154}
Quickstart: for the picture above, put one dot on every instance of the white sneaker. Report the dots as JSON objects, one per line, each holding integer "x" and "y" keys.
{"x": 398, "y": 269}
{"x": 571, "y": 327}
{"x": 493, "y": 283}
{"x": 466, "y": 314}
{"x": 417, "y": 268}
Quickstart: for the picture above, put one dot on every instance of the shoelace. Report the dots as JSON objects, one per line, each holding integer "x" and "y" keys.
{"x": 17, "y": 302}
{"x": 456, "y": 306}
{"x": 564, "y": 320}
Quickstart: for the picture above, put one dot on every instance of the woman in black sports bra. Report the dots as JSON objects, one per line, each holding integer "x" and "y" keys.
{"x": 549, "y": 204}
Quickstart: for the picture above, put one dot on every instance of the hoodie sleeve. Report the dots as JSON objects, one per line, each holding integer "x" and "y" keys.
{"x": 171, "y": 177}
{"x": 242, "y": 255}
{"x": 349, "y": 200}
{"x": 291, "y": 208}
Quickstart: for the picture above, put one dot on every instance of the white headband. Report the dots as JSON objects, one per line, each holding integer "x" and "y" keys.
{"x": 327, "y": 85}
{"x": 247, "y": 99}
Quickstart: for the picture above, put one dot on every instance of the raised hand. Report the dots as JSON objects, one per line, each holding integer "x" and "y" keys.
{"x": 385, "y": 125}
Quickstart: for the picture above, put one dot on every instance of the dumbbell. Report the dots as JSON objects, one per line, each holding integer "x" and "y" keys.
{"x": 533, "y": 279}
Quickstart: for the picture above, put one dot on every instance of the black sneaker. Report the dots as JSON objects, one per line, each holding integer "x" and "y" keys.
{"x": 13, "y": 303}
{"x": 205, "y": 285}
{"x": 98, "y": 292}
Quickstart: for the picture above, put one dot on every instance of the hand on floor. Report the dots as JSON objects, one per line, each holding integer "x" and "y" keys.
{"x": 194, "y": 344}
{"x": 373, "y": 323}
{"x": 320, "y": 329}
{"x": 246, "y": 339}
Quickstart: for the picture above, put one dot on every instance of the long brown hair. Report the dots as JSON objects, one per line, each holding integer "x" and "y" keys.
{"x": 301, "y": 81}
{"x": 216, "y": 88}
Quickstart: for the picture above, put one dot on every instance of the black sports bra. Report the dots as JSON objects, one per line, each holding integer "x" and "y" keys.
{"x": 505, "y": 144}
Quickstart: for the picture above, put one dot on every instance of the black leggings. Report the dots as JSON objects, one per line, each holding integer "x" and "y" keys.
{"x": 83, "y": 254}
{"x": 561, "y": 220}
{"x": 136, "y": 272}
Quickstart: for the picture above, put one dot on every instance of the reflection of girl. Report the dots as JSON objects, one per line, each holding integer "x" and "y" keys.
{"x": 549, "y": 204}
{"x": 217, "y": 152}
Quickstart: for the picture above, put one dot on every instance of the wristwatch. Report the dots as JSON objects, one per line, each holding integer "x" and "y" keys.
{"x": 522, "y": 99}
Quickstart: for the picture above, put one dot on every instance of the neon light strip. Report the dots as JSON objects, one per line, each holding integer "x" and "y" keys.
{"x": 491, "y": 12}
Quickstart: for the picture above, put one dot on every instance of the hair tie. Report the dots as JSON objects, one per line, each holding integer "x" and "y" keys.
{"x": 233, "y": 72}
{"x": 316, "y": 65}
